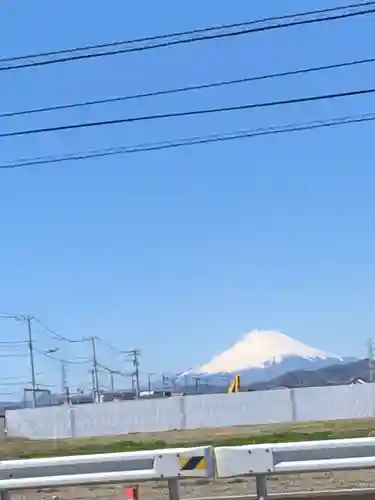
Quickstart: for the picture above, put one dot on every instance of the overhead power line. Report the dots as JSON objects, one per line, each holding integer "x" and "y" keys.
{"x": 66, "y": 361}
{"x": 190, "y": 36}
{"x": 9, "y": 315}
{"x": 187, "y": 33}
{"x": 193, "y": 141}
{"x": 13, "y": 384}
{"x": 12, "y": 342}
{"x": 58, "y": 336}
{"x": 190, "y": 88}
{"x": 196, "y": 112}
{"x": 115, "y": 372}
{"x": 10, "y": 378}
{"x": 114, "y": 348}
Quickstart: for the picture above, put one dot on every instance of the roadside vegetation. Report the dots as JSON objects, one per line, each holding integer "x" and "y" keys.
{"x": 234, "y": 436}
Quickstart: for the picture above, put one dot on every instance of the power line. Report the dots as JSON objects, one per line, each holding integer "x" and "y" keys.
{"x": 114, "y": 348}
{"x": 186, "y": 33}
{"x": 18, "y": 356}
{"x": 189, "y": 88}
{"x": 204, "y": 37}
{"x": 12, "y": 342}
{"x": 58, "y": 336}
{"x": 116, "y": 372}
{"x": 30, "y": 344}
{"x": 13, "y": 384}
{"x": 22, "y": 317}
{"x": 197, "y": 140}
{"x": 61, "y": 360}
{"x": 8, "y": 315}
{"x": 180, "y": 114}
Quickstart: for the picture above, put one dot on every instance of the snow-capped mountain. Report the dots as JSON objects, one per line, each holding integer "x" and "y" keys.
{"x": 262, "y": 355}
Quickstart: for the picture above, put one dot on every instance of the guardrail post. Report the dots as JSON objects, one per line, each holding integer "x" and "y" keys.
{"x": 261, "y": 485}
{"x": 173, "y": 488}
{"x": 5, "y": 495}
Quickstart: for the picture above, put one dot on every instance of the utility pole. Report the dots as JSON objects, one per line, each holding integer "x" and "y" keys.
{"x": 95, "y": 370}
{"x": 112, "y": 380}
{"x": 136, "y": 353}
{"x": 32, "y": 364}
{"x": 64, "y": 382}
{"x": 371, "y": 367}
{"x": 149, "y": 382}
{"x": 92, "y": 371}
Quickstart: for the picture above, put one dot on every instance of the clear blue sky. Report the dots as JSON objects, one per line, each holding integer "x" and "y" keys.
{"x": 179, "y": 252}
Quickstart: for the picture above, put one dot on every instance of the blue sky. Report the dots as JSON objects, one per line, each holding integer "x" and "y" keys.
{"x": 179, "y": 252}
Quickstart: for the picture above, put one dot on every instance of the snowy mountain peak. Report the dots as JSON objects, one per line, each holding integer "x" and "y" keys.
{"x": 261, "y": 349}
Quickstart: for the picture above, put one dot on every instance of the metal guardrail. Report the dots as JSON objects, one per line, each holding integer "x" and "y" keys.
{"x": 174, "y": 464}
{"x": 107, "y": 468}
{"x": 348, "y": 494}
{"x": 263, "y": 460}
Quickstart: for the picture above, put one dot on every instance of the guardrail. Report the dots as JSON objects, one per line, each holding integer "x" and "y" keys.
{"x": 107, "y": 468}
{"x": 348, "y": 494}
{"x": 173, "y": 464}
{"x": 263, "y": 460}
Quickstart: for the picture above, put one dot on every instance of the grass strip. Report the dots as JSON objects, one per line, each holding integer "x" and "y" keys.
{"x": 33, "y": 449}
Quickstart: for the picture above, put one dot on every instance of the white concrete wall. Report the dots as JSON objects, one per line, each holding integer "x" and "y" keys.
{"x": 192, "y": 412}
{"x": 125, "y": 417}
{"x": 39, "y": 423}
{"x": 244, "y": 408}
{"x": 336, "y": 402}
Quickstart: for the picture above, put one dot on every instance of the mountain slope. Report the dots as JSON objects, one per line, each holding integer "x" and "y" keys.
{"x": 331, "y": 375}
{"x": 262, "y": 355}
{"x": 258, "y": 349}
